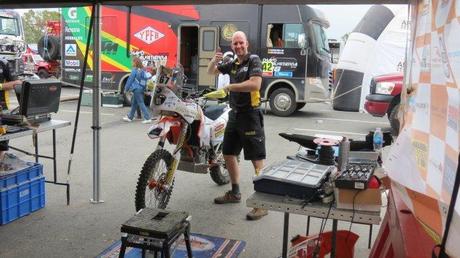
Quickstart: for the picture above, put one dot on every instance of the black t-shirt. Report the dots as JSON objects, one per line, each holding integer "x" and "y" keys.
{"x": 251, "y": 66}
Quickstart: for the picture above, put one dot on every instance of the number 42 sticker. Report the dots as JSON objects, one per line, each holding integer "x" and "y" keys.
{"x": 267, "y": 67}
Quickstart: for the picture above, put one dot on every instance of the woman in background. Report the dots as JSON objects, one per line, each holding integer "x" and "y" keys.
{"x": 136, "y": 83}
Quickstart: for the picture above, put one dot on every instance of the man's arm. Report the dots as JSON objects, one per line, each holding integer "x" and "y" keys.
{"x": 9, "y": 85}
{"x": 212, "y": 66}
{"x": 253, "y": 84}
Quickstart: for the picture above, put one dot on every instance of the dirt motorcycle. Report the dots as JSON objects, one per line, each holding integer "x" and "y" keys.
{"x": 193, "y": 127}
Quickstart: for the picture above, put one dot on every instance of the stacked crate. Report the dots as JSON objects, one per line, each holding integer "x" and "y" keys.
{"x": 22, "y": 189}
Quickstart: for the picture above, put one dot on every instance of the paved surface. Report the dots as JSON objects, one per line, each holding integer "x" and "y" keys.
{"x": 84, "y": 229}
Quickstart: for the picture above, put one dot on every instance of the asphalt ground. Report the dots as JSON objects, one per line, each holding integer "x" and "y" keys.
{"x": 83, "y": 229}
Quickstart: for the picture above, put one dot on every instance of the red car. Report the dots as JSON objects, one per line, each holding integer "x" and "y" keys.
{"x": 384, "y": 98}
{"x": 44, "y": 69}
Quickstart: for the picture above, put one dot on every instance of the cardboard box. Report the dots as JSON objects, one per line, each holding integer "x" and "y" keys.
{"x": 364, "y": 200}
{"x": 87, "y": 98}
{"x": 112, "y": 99}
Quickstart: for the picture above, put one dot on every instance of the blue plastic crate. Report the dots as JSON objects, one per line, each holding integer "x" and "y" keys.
{"x": 20, "y": 200}
{"x": 31, "y": 172}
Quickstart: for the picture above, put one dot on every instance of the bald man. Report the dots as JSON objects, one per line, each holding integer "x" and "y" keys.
{"x": 245, "y": 127}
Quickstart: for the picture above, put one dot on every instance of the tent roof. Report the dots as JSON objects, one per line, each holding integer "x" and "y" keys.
{"x": 66, "y": 3}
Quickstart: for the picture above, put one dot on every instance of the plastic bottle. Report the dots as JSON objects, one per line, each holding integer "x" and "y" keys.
{"x": 378, "y": 139}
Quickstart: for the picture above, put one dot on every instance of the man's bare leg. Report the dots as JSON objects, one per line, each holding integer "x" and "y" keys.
{"x": 257, "y": 213}
{"x": 233, "y": 196}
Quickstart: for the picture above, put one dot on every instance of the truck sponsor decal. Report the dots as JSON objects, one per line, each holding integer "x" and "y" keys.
{"x": 268, "y": 66}
{"x": 70, "y": 49}
{"x": 72, "y": 63}
{"x": 149, "y": 35}
{"x": 275, "y": 51}
{"x": 283, "y": 74}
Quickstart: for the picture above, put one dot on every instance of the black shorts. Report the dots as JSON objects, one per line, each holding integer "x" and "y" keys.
{"x": 245, "y": 130}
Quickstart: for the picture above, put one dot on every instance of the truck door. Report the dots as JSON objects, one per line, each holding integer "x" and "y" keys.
{"x": 207, "y": 48}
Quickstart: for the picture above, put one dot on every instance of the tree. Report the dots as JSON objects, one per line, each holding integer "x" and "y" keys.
{"x": 35, "y": 24}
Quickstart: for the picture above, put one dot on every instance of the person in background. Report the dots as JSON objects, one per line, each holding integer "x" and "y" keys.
{"x": 152, "y": 75}
{"x": 245, "y": 127}
{"x": 137, "y": 83}
{"x": 4, "y": 88}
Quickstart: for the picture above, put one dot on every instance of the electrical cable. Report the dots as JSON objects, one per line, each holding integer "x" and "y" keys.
{"x": 351, "y": 222}
{"x": 322, "y": 227}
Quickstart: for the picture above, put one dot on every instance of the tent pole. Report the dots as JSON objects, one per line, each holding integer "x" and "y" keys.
{"x": 96, "y": 105}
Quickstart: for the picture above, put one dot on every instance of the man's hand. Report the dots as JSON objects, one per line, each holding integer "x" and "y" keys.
{"x": 16, "y": 83}
{"x": 212, "y": 66}
{"x": 10, "y": 85}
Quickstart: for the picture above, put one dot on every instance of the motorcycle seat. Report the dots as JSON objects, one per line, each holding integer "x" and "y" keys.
{"x": 215, "y": 111}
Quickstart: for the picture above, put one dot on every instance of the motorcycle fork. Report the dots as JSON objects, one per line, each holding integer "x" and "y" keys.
{"x": 175, "y": 156}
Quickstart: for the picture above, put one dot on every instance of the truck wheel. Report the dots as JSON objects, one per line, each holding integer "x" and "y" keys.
{"x": 282, "y": 102}
{"x": 394, "y": 122}
{"x": 300, "y": 106}
{"x": 127, "y": 97}
{"x": 43, "y": 74}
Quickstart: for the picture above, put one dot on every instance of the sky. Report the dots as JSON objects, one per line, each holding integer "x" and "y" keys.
{"x": 342, "y": 18}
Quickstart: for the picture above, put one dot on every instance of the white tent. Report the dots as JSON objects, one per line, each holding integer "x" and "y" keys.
{"x": 366, "y": 55}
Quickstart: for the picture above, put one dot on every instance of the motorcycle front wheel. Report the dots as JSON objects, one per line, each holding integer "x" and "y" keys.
{"x": 152, "y": 189}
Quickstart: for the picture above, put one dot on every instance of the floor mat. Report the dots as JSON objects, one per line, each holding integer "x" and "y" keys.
{"x": 203, "y": 246}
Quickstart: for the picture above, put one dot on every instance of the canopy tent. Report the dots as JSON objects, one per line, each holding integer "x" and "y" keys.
{"x": 65, "y": 3}
{"x": 425, "y": 159}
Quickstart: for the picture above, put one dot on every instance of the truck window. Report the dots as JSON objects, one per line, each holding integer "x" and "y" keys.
{"x": 283, "y": 35}
{"x": 208, "y": 40}
{"x": 9, "y": 26}
{"x": 322, "y": 44}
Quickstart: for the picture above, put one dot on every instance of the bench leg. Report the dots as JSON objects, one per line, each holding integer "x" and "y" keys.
{"x": 123, "y": 247}
{"x": 187, "y": 241}
{"x": 370, "y": 237}
{"x": 308, "y": 225}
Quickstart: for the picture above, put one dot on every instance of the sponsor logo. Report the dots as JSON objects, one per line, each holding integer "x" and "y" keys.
{"x": 71, "y": 49}
{"x": 275, "y": 51}
{"x": 72, "y": 70}
{"x": 73, "y": 77}
{"x": 72, "y": 13}
{"x": 109, "y": 47}
{"x": 72, "y": 63}
{"x": 73, "y": 38}
{"x": 149, "y": 35}
{"x": 73, "y": 30}
{"x": 283, "y": 74}
{"x": 228, "y": 30}
{"x": 52, "y": 88}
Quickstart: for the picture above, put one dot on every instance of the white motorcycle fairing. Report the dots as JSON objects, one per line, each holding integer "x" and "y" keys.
{"x": 162, "y": 127}
{"x": 166, "y": 101}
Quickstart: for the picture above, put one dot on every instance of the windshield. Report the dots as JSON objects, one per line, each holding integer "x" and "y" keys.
{"x": 9, "y": 26}
{"x": 37, "y": 58}
{"x": 322, "y": 45}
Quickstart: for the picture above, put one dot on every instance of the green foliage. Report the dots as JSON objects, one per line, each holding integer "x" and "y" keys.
{"x": 35, "y": 23}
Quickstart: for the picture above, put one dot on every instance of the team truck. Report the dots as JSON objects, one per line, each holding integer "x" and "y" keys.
{"x": 289, "y": 39}
{"x": 12, "y": 45}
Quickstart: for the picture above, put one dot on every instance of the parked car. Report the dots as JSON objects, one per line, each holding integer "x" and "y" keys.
{"x": 384, "y": 98}
{"x": 44, "y": 69}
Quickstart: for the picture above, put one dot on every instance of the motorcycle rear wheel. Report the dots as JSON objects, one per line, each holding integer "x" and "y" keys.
{"x": 155, "y": 168}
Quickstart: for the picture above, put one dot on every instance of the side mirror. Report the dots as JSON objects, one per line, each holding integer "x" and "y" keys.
{"x": 301, "y": 40}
